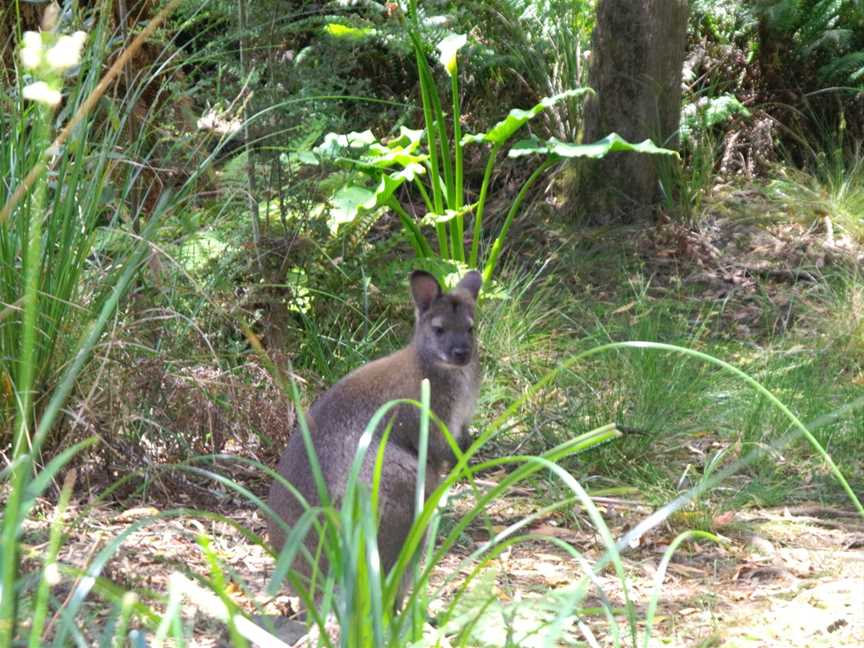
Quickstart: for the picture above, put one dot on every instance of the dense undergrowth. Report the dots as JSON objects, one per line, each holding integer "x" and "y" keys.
{"x": 192, "y": 291}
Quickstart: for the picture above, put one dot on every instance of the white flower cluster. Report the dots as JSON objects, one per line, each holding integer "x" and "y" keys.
{"x": 41, "y": 92}
{"x": 219, "y": 122}
{"x": 47, "y": 56}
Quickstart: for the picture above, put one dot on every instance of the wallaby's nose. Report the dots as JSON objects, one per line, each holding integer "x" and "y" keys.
{"x": 461, "y": 355}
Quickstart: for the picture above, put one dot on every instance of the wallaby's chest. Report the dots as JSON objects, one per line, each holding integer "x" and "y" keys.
{"x": 456, "y": 402}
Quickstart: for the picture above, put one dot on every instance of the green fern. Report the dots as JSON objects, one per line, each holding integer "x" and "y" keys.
{"x": 829, "y": 33}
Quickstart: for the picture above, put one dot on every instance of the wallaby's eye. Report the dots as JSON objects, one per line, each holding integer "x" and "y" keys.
{"x": 471, "y": 330}
{"x": 438, "y": 330}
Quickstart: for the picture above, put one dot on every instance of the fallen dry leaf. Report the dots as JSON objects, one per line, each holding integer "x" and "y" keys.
{"x": 132, "y": 514}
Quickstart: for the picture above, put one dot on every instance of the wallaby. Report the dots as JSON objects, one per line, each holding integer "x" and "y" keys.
{"x": 442, "y": 350}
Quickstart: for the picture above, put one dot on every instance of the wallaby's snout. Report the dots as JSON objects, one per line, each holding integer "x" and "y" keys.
{"x": 461, "y": 355}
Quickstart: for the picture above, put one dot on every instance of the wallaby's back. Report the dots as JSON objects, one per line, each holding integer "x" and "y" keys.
{"x": 443, "y": 351}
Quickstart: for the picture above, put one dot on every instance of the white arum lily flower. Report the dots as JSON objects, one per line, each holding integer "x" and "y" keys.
{"x": 448, "y": 49}
{"x": 43, "y": 93}
{"x": 66, "y": 53}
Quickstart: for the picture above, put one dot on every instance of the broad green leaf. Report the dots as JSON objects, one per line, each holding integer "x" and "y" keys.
{"x": 386, "y": 187}
{"x": 363, "y": 150}
{"x": 432, "y": 218}
{"x": 338, "y": 30}
{"x": 383, "y": 158}
{"x": 411, "y": 171}
{"x": 517, "y": 118}
{"x": 708, "y": 112}
{"x": 389, "y": 183}
{"x": 612, "y": 143}
{"x": 410, "y": 136}
{"x": 302, "y": 157}
{"x": 400, "y": 150}
{"x": 339, "y": 144}
{"x": 345, "y": 205}
{"x": 721, "y": 108}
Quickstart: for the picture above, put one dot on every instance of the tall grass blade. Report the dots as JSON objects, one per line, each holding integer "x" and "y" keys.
{"x": 661, "y": 574}
{"x": 50, "y": 572}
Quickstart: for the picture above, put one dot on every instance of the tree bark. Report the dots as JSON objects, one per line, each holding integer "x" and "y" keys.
{"x": 636, "y": 60}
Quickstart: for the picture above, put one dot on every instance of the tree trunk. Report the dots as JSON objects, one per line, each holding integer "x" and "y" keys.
{"x": 636, "y": 59}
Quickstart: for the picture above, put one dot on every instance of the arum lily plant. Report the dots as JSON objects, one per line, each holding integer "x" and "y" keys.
{"x": 430, "y": 161}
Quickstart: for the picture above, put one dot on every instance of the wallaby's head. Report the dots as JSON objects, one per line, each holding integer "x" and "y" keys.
{"x": 444, "y": 330}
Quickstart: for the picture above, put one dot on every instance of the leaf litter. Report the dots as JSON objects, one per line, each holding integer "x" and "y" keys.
{"x": 787, "y": 576}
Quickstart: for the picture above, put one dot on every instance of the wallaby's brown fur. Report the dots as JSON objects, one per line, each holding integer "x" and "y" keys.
{"x": 442, "y": 350}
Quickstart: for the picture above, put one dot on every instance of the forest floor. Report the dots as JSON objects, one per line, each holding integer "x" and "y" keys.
{"x": 784, "y": 576}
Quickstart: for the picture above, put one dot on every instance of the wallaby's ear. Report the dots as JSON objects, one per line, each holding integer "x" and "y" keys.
{"x": 471, "y": 283}
{"x": 425, "y": 289}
